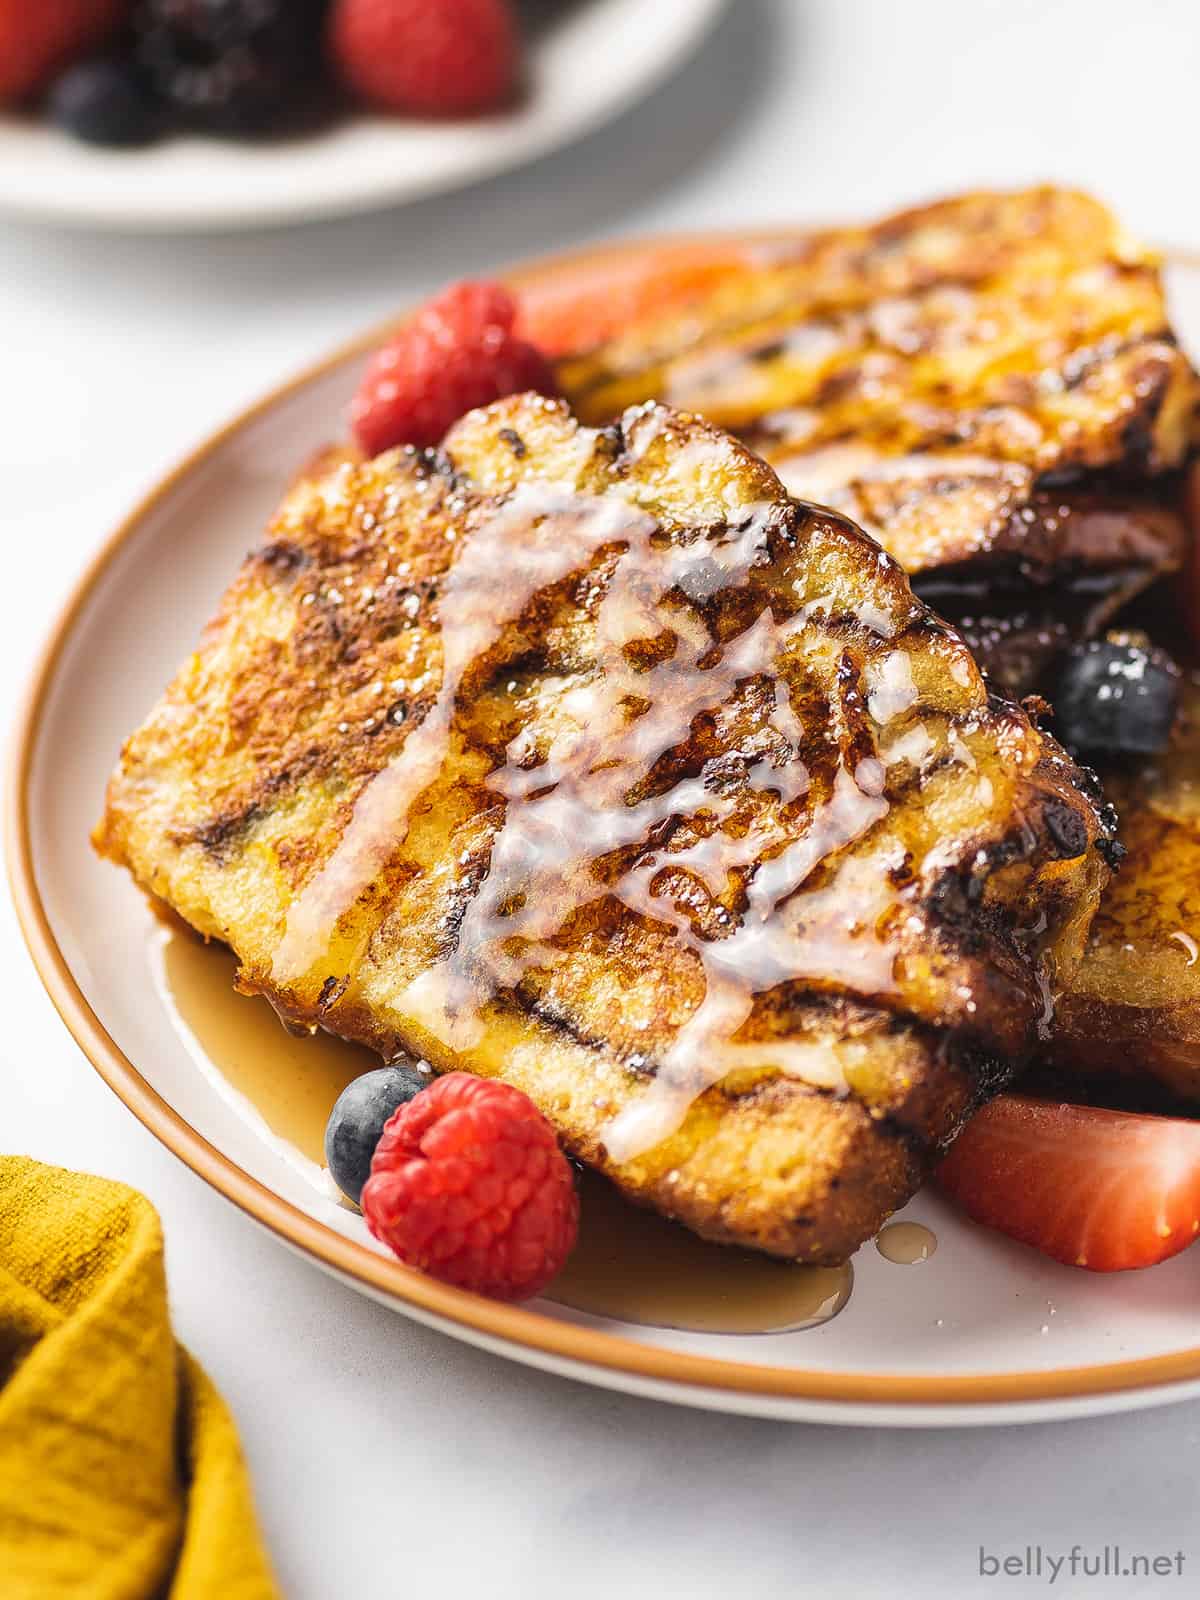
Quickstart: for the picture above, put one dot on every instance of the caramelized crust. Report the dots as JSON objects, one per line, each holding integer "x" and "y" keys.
{"x": 591, "y": 760}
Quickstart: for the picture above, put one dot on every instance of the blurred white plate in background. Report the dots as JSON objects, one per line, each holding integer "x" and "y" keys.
{"x": 585, "y": 68}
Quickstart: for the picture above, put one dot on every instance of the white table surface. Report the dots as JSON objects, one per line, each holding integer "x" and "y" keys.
{"x": 389, "y": 1460}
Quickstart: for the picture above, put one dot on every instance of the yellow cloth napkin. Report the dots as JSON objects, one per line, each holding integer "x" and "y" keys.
{"x": 121, "y": 1475}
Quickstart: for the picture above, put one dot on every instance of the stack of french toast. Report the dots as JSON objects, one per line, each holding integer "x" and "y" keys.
{"x": 730, "y": 753}
{"x": 991, "y": 387}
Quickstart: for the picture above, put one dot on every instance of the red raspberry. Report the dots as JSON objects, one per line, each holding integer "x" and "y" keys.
{"x": 436, "y": 58}
{"x": 468, "y": 1184}
{"x": 467, "y": 310}
{"x": 457, "y": 353}
{"x": 37, "y": 37}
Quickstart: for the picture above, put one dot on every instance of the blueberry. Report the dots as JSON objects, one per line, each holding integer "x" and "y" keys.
{"x": 357, "y": 1120}
{"x": 105, "y": 102}
{"x": 1116, "y": 696}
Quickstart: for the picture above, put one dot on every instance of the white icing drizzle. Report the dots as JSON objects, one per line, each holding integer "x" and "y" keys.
{"x": 591, "y": 793}
{"x": 890, "y": 687}
{"x": 759, "y": 954}
{"x": 474, "y": 615}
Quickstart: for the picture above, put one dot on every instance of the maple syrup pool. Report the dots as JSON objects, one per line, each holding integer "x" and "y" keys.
{"x": 629, "y": 1265}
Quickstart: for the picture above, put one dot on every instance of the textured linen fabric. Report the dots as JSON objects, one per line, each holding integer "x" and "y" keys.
{"x": 121, "y": 1474}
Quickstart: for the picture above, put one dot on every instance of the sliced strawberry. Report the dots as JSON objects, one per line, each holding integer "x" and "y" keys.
{"x": 582, "y": 305}
{"x": 1099, "y": 1189}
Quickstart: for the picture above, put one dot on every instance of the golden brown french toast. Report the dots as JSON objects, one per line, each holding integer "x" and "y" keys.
{"x": 989, "y": 385}
{"x": 992, "y": 387}
{"x": 1132, "y": 1009}
{"x": 591, "y": 760}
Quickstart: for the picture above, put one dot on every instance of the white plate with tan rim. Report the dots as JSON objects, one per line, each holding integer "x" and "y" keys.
{"x": 586, "y": 65}
{"x": 980, "y": 1330}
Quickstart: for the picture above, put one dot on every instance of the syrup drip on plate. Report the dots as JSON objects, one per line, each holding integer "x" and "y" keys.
{"x": 906, "y": 1243}
{"x": 595, "y": 786}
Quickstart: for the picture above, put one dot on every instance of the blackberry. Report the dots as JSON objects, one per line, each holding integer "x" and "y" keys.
{"x": 241, "y": 67}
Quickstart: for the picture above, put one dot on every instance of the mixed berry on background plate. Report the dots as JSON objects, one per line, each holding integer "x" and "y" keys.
{"x": 127, "y": 72}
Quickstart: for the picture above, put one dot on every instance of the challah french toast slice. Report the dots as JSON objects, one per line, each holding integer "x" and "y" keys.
{"x": 990, "y": 385}
{"x": 591, "y": 760}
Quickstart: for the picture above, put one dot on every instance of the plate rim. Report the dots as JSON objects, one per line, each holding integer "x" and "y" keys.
{"x": 530, "y": 1332}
